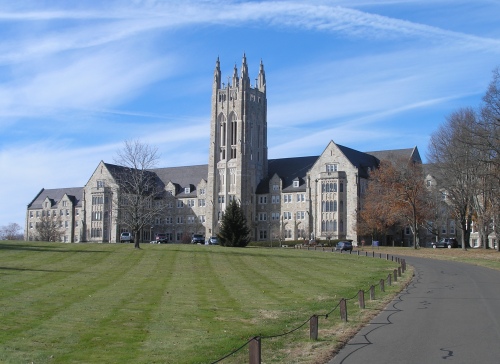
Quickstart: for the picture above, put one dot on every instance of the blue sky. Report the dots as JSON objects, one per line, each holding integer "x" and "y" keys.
{"x": 77, "y": 79}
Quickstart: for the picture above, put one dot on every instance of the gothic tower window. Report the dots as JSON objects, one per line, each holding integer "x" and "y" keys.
{"x": 222, "y": 136}
{"x": 234, "y": 135}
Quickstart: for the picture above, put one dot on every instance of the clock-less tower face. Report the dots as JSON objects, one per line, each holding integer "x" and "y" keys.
{"x": 238, "y": 143}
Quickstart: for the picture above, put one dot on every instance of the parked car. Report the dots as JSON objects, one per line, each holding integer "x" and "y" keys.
{"x": 344, "y": 245}
{"x": 446, "y": 243}
{"x": 197, "y": 239}
{"x": 161, "y": 239}
{"x": 213, "y": 240}
{"x": 126, "y": 237}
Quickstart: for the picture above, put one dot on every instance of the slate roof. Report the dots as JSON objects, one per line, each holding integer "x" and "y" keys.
{"x": 363, "y": 161}
{"x": 288, "y": 169}
{"x": 55, "y": 195}
{"x": 115, "y": 170}
{"x": 118, "y": 171}
{"x": 397, "y": 153}
{"x": 182, "y": 177}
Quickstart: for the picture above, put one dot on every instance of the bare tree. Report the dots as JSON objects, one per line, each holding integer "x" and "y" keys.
{"x": 10, "y": 232}
{"x": 440, "y": 212}
{"x": 48, "y": 228}
{"x": 140, "y": 191}
{"x": 455, "y": 166}
{"x": 489, "y": 140}
{"x": 490, "y": 120}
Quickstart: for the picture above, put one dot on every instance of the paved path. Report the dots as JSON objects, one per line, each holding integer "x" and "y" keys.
{"x": 450, "y": 313}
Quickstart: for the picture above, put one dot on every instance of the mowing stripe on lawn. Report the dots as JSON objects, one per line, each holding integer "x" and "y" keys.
{"x": 103, "y": 303}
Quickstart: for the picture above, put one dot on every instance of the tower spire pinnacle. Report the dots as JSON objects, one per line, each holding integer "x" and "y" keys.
{"x": 244, "y": 71}
{"x": 217, "y": 74}
{"x": 261, "y": 80}
{"x": 235, "y": 77}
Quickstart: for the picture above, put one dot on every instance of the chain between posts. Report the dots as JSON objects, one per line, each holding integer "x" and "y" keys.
{"x": 255, "y": 355}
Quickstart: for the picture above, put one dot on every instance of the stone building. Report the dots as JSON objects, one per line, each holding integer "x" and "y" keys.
{"x": 64, "y": 206}
{"x": 287, "y": 199}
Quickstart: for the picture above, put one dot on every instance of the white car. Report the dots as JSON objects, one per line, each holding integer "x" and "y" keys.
{"x": 126, "y": 238}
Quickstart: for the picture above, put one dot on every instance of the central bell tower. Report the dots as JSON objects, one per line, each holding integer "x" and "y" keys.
{"x": 238, "y": 143}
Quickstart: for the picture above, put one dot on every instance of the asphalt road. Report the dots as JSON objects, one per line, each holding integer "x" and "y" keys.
{"x": 450, "y": 313}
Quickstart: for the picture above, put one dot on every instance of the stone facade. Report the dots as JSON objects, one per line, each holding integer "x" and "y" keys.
{"x": 285, "y": 199}
{"x": 64, "y": 207}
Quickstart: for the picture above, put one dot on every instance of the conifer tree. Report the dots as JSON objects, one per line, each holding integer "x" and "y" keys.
{"x": 234, "y": 230}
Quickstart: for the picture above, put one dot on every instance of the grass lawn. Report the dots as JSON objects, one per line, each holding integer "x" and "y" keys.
{"x": 110, "y": 303}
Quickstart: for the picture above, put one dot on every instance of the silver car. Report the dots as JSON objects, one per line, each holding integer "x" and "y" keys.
{"x": 126, "y": 237}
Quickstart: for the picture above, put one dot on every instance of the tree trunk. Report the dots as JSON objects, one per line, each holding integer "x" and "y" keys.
{"x": 136, "y": 239}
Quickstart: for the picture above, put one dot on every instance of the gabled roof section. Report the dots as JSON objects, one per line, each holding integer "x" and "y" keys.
{"x": 182, "y": 177}
{"x": 115, "y": 170}
{"x": 363, "y": 161}
{"x": 287, "y": 169}
{"x": 118, "y": 171}
{"x": 75, "y": 194}
{"x": 121, "y": 172}
{"x": 390, "y": 155}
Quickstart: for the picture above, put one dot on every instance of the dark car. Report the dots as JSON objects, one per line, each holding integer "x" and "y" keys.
{"x": 161, "y": 239}
{"x": 446, "y": 243}
{"x": 344, "y": 245}
{"x": 198, "y": 239}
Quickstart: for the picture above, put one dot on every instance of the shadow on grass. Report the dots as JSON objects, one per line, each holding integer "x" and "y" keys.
{"x": 45, "y": 248}
{"x": 36, "y": 270}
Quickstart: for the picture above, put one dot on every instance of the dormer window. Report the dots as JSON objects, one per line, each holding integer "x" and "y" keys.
{"x": 187, "y": 190}
{"x": 296, "y": 183}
